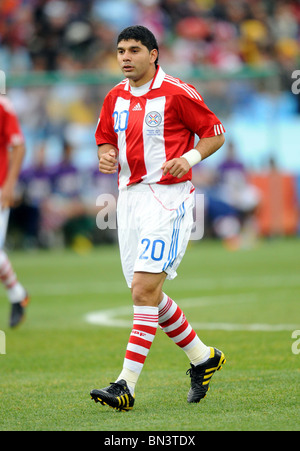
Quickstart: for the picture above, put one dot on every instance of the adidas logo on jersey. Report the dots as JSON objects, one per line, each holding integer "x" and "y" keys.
{"x": 137, "y": 107}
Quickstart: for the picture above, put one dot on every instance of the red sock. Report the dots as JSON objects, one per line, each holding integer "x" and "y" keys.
{"x": 173, "y": 322}
{"x": 7, "y": 274}
{"x": 145, "y": 321}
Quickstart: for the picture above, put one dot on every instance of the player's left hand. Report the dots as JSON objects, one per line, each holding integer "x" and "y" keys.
{"x": 177, "y": 167}
{"x": 7, "y": 195}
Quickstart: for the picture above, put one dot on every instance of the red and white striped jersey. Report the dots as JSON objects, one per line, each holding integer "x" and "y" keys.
{"x": 10, "y": 134}
{"x": 153, "y": 128}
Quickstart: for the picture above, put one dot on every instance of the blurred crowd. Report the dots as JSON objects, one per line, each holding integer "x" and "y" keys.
{"x": 46, "y": 35}
{"x": 60, "y": 181}
{"x": 59, "y": 205}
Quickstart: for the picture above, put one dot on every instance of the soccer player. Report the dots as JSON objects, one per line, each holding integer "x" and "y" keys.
{"x": 146, "y": 131}
{"x": 12, "y": 151}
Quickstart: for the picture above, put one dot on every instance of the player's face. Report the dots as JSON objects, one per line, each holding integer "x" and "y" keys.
{"x": 136, "y": 62}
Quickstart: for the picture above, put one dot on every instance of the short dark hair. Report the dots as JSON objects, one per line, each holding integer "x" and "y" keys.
{"x": 140, "y": 33}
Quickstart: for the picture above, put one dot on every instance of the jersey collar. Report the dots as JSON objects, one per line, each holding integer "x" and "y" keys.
{"x": 156, "y": 82}
{"x": 158, "y": 78}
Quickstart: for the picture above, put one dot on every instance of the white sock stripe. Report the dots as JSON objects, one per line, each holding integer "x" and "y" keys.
{"x": 168, "y": 314}
{"x": 163, "y": 310}
{"x": 136, "y": 367}
{"x": 150, "y": 318}
{"x": 137, "y": 349}
{"x": 176, "y": 324}
{"x": 183, "y": 335}
{"x": 145, "y": 310}
{"x": 146, "y": 323}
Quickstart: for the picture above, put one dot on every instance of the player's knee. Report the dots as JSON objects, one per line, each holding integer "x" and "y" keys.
{"x": 144, "y": 295}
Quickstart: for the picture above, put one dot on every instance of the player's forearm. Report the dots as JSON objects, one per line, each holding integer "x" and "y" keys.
{"x": 178, "y": 167}
{"x": 208, "y": 146}
{"x": 16, "y": 160}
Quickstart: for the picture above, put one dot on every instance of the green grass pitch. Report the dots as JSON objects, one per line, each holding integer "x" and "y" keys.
{"x": 245, "y": 303}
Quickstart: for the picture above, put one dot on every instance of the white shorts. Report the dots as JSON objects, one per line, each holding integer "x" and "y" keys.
{"x": 154, "y": 227}
{"x": 4, "y": 215}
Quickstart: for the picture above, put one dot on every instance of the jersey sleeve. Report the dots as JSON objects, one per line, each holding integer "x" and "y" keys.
{"x": 198, "y": 118}
{"x": 105, "y": 133}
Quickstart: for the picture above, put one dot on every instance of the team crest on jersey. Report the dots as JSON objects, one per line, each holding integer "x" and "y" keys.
{"x": 153, "y": 119}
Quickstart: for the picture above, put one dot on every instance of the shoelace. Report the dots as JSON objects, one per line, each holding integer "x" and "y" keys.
{"x": 115, "y": 388}
{"x": 196, "y": 376}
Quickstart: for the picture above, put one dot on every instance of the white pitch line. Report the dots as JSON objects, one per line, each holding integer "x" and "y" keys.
{"x": 113, "y": 317}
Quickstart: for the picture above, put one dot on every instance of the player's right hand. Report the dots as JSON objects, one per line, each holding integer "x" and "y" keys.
{"x": 108, "y": 163}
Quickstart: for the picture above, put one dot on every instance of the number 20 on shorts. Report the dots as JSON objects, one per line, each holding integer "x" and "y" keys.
{"x": 154, "y": 249}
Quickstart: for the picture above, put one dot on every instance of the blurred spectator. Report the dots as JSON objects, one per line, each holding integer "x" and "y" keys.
{"x": 151, "y": 15}
{"x": 35, "y": 186}
{"x": 230, "y": 201}
{"x": 66, "y": 177}
{"x": 203, "y": 37}
{"x": 237, "y": 227}
{"x": 44, "y": 35}
{"x": 233, "y": 183}
{"x": 64, "y": 210}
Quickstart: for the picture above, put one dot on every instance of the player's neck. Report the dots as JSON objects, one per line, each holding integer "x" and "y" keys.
{"x": 144, "y": 79}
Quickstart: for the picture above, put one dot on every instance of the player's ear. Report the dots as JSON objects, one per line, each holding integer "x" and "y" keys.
{"x": 153, "y": 55}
